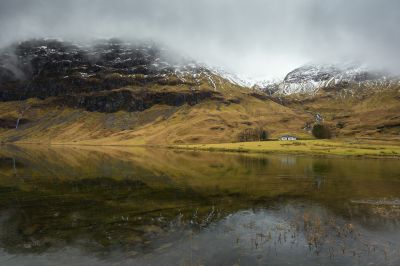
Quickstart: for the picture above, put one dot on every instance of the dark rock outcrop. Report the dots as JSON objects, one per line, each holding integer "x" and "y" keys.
{"x": 135, "y": 101}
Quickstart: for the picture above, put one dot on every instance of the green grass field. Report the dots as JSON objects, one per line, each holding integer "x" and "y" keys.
{"x": 339, "y": 147}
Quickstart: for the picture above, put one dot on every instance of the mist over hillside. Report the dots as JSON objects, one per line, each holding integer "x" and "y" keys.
{"x": 258, "y": 39}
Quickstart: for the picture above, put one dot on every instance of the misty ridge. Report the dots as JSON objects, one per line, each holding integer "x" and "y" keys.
{"x": 24, "y": 60}
{"x": 32, "y": 59}
{"x": 256, "y": 39}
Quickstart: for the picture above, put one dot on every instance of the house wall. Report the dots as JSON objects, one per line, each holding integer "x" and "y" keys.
{"x": 288, "y": 138}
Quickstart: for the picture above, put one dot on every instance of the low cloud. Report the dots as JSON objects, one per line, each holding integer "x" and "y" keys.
{"x": 258, "y": 38}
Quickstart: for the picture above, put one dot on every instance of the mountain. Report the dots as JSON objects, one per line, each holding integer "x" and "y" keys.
{"x": 355, "y": 101}
{"x": 87, "y": 76}
{"x": 114, "y": 92}
{"x": 309, "y": 79}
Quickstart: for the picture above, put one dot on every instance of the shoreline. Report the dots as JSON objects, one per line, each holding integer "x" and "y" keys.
{"x": 319, "y": 148}
{"x": 277, "y": 152}
{"x": 335, "y": 148}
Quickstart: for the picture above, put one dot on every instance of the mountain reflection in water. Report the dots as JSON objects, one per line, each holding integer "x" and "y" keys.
{"x": 136, "y": 206}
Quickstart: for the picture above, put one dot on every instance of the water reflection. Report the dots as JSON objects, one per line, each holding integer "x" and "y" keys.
{"x": 146, "y": 206}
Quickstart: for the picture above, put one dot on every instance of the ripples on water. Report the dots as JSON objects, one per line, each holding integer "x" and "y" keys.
{"x": 134, "y": 206}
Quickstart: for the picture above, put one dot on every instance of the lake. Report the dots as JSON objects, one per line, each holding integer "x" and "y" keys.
{"x": 135, "y": 206}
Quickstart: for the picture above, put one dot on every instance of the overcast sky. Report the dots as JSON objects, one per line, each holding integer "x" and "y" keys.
{"x": 258, "y": 38}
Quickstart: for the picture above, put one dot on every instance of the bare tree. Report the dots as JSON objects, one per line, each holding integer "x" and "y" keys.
{"x": 21, "y": 110}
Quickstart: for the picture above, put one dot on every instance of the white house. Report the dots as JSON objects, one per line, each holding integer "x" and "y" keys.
{"x": 287, "y": 137}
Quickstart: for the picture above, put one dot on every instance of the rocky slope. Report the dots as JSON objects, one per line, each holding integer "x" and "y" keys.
{"x": 310, "y": 79}
{"x": 88, "y": 76}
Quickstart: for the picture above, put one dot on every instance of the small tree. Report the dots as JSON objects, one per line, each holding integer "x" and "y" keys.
{"x": 263, "y": 135}
{"x": 321, "y": 131}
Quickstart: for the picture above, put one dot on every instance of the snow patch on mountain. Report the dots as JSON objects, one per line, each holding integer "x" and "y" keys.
{"x": 310, "y": 78}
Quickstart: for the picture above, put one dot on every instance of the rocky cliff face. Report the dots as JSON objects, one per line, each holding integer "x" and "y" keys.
{"x": 131, "y": 101}
{"x": 106, "y": 76}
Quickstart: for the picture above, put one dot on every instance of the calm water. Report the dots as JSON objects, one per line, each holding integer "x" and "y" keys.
{"x": 134, "y": 206}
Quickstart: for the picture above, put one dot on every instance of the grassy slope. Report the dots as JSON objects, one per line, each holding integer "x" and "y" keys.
{"x": 210, "y": 121}
{"x": 368, "y": 114}
{"x": 365, "y": 115}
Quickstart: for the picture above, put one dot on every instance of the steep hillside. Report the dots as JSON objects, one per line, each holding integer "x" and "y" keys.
{"x": 112, "y": 92}
{"x": 352, "y": 100}
{"x": 370, "y": 113}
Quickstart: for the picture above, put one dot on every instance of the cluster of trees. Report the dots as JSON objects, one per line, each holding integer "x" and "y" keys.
{"x": 253, "y": 134}
{"x": 321, "y": 131}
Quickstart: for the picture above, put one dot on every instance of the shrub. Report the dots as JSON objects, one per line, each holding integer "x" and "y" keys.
{"x": 253, "y": 134}
{"x": 321, "y": 131}
{"x": 340, "y": 125}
